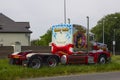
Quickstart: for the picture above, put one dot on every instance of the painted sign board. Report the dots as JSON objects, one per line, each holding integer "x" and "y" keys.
{"x": 65, "y": 34}
{"x": 62, "y": 34}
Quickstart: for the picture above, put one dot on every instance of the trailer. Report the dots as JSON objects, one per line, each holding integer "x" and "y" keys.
{"x": 69, "y": 46}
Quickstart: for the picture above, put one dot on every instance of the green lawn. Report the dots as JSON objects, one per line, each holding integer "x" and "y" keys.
{"x": 13, "y": 72}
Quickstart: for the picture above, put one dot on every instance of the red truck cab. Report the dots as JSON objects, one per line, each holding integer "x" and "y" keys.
{"x": 70, "y": 43}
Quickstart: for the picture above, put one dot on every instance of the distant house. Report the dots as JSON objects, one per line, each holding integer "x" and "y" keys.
{"x": 12, "y": 32}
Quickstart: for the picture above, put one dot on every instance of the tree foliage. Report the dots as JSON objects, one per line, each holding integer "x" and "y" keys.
{"x": 35, "y": 42}
{"x": 111, "y": 25}
{"x": 44, "y": 39}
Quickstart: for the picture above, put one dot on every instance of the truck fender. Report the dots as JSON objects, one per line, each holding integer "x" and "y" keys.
{"x": 15, "y": 53}
{"x": 30, "y": 55}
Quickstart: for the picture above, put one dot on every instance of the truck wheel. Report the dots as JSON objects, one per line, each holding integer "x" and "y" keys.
{"x": 52, "y": 61}
{"x": 35, "y": 62}
{"x": 11, "y": 61}
{"x": 102, "y": 59}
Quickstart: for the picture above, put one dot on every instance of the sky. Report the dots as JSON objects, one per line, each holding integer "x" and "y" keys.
{"x": 42, "y": 14}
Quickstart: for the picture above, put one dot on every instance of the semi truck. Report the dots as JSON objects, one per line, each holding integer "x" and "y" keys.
{"x": 70, "y": 45}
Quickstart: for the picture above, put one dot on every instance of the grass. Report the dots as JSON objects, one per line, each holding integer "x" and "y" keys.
{"x": 13, "y": 72}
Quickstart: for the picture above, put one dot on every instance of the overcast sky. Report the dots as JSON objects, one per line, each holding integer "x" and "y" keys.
{"x": 43, "y": 13}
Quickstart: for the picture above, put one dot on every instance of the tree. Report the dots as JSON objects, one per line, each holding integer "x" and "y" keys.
{"x": 44, "y": 39}
{"x": 35, "y": 42}
{"x": 111, "y": 25}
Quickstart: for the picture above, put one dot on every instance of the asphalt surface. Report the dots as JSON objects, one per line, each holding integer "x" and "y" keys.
{"x": 91, "y": 76}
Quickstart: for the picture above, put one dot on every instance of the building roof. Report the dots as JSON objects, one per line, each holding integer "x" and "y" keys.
{"x": 7, "y": 25}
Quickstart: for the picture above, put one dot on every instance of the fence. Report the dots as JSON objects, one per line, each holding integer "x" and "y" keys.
{"x": 5, "y": 50}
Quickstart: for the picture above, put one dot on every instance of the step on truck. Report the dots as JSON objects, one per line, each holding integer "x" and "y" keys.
{"x": 69, "y": 46}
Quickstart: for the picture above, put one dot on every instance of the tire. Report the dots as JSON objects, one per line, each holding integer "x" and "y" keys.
{"x": 102, "y": 59}
{"x": 52, "y": 62}
{"x": 11, "y": 61}
{"x": 35, "y": 62}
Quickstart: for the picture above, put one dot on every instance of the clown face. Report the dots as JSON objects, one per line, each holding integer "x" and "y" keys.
{"x": 62, "y": 35}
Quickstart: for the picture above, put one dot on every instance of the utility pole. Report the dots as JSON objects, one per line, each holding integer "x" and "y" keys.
{"x": 103, "y": 32}
{"x": 68, "y": 20}
{"x": 87, "y": 34}
{"x": 64, "y": 11}
{"x": 114, "y": 43}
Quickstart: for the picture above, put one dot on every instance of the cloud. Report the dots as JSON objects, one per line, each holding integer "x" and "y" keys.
{"x": 43, "y": 13}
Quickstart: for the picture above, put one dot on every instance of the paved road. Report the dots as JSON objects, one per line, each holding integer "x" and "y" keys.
{"x": 92, "y": 76}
